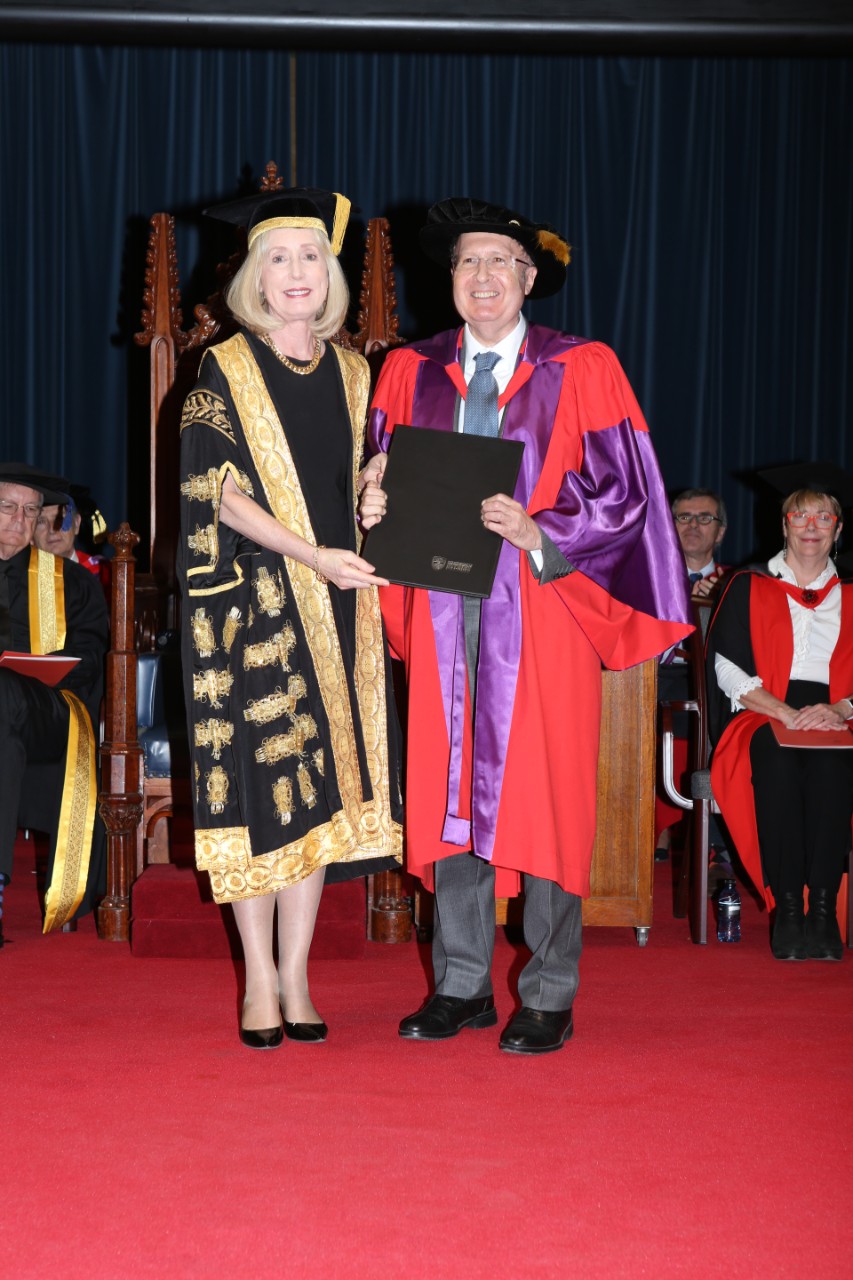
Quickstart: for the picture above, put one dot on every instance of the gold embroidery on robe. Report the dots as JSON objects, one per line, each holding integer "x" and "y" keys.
{"x": 204, "y": 641}
{"x": 217, "y": 789}
{"x": 307, "y": 791}
{"x": 212, "y": 686}
{"x": 270, "y": 593}
{"x": 215, "y": 734}
{"x": 276, "y": 704}
{"x": 204, "y": 542}
{"x": 226, "y": 854}
{"x": 270, "y": 653}
{"x": 230, "y": 627}
{"x": 204, "y": 408}
{"x": 282, "y": 794}
{"x": 208, "y": 488}
{"x": 292, "y": 743}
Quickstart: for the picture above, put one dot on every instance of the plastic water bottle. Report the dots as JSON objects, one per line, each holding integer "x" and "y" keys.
{"x": 728, "y": 913}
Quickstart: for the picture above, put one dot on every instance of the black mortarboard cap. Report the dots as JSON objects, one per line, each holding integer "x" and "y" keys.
{"x": 820, "y": 477}
{"x": 94, "y": 526}
{"x": 326, "y": 211}
{"x": 54, "y": 489}
{"x": 451, "y": 218}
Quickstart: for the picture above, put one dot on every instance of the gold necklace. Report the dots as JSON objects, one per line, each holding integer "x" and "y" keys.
{"x": 302, "y": 369}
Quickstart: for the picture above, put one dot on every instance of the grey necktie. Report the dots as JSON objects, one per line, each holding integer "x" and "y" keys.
{"x": 481, "y": 403}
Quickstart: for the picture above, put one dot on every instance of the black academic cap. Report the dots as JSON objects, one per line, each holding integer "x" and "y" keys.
{"x": 54, "y": 489}
{"x": 820, "y": 477}
{"x": 94, "y": 526}
{"x": 326, "y": 211}
{"x": 455, "y": 216}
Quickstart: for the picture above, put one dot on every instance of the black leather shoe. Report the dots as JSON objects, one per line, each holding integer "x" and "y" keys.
{"x": 268, "y": 1038}
{"x": 441, "y": 1017}
{"x": 788, "y": 940}
{"x": 307, "y": 1032}
{"x": 537, "y": 1031}
{"x": 70, "y": 926}
{"x": 823, "y": 936}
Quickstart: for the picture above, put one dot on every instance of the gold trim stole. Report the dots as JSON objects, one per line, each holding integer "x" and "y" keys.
{"x": 46, "y": 595}
{"x": 73, "y": 844}
{"x": 76, "y": 819}
{"x": 267, "y": 444}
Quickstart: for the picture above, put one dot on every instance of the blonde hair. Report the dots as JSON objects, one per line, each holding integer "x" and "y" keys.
{"x": 794, "y": 501}
{"x": 246, "y": 303}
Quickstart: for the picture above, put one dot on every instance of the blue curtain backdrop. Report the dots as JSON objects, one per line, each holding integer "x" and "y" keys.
{"x": 709, "y": 202}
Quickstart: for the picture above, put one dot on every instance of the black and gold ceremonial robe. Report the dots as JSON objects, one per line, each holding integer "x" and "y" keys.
{"x": 56, "y": 607}
{"x": 291, "y": 721}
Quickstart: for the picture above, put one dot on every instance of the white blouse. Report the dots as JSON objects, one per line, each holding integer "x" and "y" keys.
{"x": 815, "y": 637}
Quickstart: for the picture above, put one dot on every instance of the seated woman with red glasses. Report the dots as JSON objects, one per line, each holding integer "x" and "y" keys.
{"x": 780, "y": 657}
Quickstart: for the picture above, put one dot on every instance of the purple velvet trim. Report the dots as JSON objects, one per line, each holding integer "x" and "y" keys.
{"x": 529, "y": 417}
{"x": 612, "y": 521}
{"x": 377, "y": 440}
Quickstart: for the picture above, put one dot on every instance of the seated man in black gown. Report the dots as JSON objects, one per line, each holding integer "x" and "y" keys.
{"x": 47, "y": 744}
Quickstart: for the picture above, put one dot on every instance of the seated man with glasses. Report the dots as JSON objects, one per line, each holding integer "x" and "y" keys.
{"x": 48, "y": 606}
{"x": 700, "y": 522}
{"x": 504, "y": 703}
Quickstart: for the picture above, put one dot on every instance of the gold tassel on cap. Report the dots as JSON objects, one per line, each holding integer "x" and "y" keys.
{"x": 99, "y": 527}
{"x": 553, "y": 244}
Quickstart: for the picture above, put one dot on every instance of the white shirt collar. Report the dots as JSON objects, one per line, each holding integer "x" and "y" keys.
{"x": 508, "y": 349}
{"x": 779, "y": 567}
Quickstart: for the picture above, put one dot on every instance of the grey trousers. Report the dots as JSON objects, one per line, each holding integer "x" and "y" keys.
{"x": 464, "y": 935}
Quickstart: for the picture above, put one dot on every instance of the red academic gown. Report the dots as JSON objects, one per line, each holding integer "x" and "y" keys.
{"x": 519, "y": 784}
{"x": 772, "y": 641}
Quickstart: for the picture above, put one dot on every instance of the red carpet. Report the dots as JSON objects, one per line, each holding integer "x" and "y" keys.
{"x": 700, "y": 1120}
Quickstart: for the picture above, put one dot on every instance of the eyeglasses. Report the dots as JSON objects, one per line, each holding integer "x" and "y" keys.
{"x": 495, "y": 263}
{"x": 30, "y": 509}
{"x": 802, "y": 519}
{"x": 701, "y": 517}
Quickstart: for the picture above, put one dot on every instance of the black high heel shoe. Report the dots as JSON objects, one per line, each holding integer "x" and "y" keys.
{"x": 307, "y": 1032}
{"x": 262, "y": 1038}
{"x": 268, "y": 1038}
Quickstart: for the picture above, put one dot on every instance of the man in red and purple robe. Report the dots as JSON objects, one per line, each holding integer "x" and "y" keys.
{"x": 504, "y": 694}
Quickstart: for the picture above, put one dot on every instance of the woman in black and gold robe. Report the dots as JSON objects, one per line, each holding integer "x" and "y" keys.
{"x": 292, "y": 727}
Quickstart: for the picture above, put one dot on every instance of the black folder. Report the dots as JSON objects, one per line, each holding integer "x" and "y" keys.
{"x": 432, "y": 535}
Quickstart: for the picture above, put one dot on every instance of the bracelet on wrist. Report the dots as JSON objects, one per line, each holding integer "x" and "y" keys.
{"x": 316, "y": 565}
